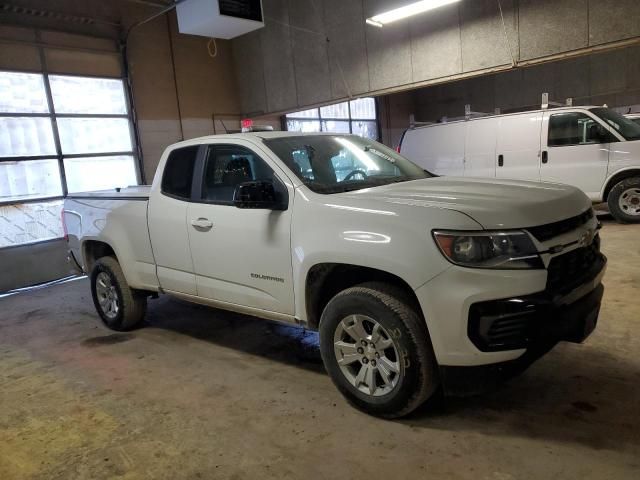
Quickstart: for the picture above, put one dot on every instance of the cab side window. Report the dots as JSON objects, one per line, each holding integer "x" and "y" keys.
{"x": 226, "y": 167}
{"x": 178, "y": 172}
{"x": 574, "y": 128}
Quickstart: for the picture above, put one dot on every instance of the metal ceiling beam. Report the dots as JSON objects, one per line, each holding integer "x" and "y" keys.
{"x": 151, "y": 3}
{"x": 19, "y": 10}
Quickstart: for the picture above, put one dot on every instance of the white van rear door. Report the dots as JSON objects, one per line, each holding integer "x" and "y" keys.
{"x": 438, "y": 148}
{"x": 518, "y": 146}
{"x": 574, "y": 152}
{"x": 480, "y": 148}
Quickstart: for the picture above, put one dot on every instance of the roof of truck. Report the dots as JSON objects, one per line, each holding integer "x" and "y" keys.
{"x": 252, "y": 135}
{"x": 522, "y": 112}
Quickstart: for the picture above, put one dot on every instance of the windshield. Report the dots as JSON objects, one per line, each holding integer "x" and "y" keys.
{"x": 624, "y": 126}
{"x": 341, "y": 163}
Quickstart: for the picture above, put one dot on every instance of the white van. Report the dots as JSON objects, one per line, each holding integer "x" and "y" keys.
{"x": 593, "y": 148}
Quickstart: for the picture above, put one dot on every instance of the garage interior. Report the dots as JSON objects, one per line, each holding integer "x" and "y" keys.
{"x": 205, "y": 393}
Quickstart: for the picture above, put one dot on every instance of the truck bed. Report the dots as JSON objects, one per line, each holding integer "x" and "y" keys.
{"x": 139, "y": 192}
{"x": 119, "y": 218}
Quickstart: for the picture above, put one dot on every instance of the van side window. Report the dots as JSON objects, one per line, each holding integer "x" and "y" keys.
{"x": 226, "y": 167}
{"x": 574, "y": 128}
{"x": 178, "y": 172}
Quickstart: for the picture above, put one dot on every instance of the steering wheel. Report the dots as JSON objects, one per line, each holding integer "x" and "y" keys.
{"x": 353, "y": 173}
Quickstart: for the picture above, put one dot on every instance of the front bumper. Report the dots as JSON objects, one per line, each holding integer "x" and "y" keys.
{"x": 524, "y": 321}
{"x": 573, "y": 323}
{"x": 455, "y": 302}
{"x": 527, "y": 325}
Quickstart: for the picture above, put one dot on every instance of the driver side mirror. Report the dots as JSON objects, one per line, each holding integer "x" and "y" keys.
{"x": 258, "y": 194}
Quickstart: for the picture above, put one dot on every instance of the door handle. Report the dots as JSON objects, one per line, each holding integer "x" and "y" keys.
{"x": 202, "y": 224}
{"x": 545, "y": 156}
{"x": 500, "y": 160}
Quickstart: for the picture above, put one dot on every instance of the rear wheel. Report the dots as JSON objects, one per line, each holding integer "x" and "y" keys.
{"x": 624, "y": 200}
{"x": 120, "y": 307}
{"x": 377, "y": 351}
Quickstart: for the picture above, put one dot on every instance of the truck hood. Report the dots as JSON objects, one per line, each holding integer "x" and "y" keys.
{"x": 492, "y": 203}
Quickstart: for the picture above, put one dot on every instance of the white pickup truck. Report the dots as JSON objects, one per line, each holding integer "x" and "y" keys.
{"x": 413, "y": 281}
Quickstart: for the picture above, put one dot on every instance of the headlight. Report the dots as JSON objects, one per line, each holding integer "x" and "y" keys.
{"x": 505, "y": 250}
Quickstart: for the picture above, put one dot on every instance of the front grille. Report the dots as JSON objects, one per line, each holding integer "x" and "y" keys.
{"x": 550, "y": 230}
{"x": 510, "y": 331}
{"x": 513, "y": 323}
{"x": 572, "y": 269}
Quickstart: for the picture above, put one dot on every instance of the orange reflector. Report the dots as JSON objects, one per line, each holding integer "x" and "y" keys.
{"x": 445, "y": 242}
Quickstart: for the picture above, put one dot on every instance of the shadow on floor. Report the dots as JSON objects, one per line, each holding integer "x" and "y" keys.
{"x": 577, "y": 393}
{"x": 589, "y": 397}
{"x": 287, "y": 344}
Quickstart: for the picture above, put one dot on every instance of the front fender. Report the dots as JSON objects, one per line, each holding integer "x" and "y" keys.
{"x": 393, "y": 238}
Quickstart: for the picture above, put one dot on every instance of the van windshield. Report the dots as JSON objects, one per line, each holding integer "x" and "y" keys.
{"x": 341, "y": 163}
{"x": 624, "y": 126}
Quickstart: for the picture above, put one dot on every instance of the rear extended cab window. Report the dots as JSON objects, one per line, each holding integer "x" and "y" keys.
{"x": 177, "y": 178}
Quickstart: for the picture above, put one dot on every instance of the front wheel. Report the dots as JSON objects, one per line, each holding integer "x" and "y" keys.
{"x": 377, "y": 350}
{"x": 624, "y": 200}
{"x": 120, "y": 307}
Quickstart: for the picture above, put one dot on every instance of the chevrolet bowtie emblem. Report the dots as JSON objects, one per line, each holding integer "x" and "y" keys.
{"x": 586, "y": 238}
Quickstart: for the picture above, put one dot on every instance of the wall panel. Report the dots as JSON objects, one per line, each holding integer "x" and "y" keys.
{"x": 310, "y": 51}
{"x": 388, "y": 52}
{"x": 611, "y": 20}
{"x": 435, "y": 44}
{"x": 279, "y": 73}
{"x": 348, "y": 59}
{"x": 83, "y": 63}
{"x": 551, "y": 27}
{"x": 19, "y": 57}
{"x": 461, "y": 40}
{"x": 483, "y": 35}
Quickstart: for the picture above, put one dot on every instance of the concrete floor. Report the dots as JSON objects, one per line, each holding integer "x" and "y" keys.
{"x": 201, "y": 393}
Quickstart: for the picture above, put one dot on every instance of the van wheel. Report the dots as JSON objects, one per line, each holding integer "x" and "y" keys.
{"x": 377, "y": 350}
{"x": 624, "y": 200}
{"x": 120, "y": 307}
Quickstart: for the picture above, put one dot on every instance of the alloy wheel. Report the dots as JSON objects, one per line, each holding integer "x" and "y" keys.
{"x": 107, "y": 295}
{"x": 367, "y": 355}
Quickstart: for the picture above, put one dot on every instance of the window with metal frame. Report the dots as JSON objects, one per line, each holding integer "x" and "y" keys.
{"x": 356, "y": 116}
{"x": 177, "y": 178}
{"x": 575, "y": 128}
{"x": 226, "y": 167}
{"x": 59, "y": 134}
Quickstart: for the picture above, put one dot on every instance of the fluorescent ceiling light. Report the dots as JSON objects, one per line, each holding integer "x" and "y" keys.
{"x": 407, "y": 11}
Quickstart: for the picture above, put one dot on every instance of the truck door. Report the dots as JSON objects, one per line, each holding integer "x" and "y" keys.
{"x": 575, "y": 151}
{"x": 480, "y": 147}
{"x": 518, "y": 146}
{"x": 167, "y": 219}
{"x": 241, "y": 256}
{"x": 437, "y": 148}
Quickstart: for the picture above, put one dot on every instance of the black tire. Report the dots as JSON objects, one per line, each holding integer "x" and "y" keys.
{"x": 613, "y": 200}
{"x": 391, "y": 308}
{"x": 132, "y": 304}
